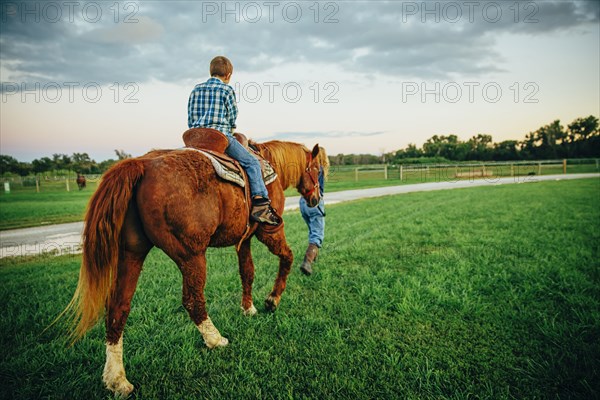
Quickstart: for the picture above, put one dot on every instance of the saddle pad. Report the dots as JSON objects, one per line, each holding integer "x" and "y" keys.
{"x": 235, "y": 175}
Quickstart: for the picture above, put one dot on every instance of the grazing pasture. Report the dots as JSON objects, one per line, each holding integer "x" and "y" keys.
{"x": 26, "y": 208}
{"x": 489, "y": 292}
{"x": 345, "y": 177}
{"x": 23, "y": 207}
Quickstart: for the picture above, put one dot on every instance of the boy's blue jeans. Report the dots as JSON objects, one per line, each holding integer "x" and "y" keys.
{"x": 315, "y": 220}
{"x": 250, "y": 164}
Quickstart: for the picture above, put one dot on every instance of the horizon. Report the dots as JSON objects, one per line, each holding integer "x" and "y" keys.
{"x": 329, "y": 154}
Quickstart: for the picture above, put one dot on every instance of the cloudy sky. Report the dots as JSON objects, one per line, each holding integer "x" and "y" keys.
{"x": 354, "y": 76}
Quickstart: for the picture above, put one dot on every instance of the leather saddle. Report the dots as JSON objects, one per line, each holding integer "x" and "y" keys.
{"x": 213, "y": 144}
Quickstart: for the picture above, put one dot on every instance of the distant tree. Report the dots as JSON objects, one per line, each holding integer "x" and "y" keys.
{"x": 461, "y": 151}
{"x": 448, "y": 147}
{"x": 82, "y": 162}
{"x": 44, "y": 164}
{"x": 121, "y": 155}
{"x": 528, "y": 146}
{"x": 480, "y": 148}
{"x": 347, "y": 159}
{"x": 507, "y": 150}
{"x": 337, "y": 160}
{"x": 8, "y": 164}
{"x": 432, "y": 147}
{"x": 583, "y": 138}
{"x": 24, "y": 169}
{"x": 106, "y": 164}
{"x": 411, "y": 151}
{"x": 61, "y": 161}
{"x": 550, "y": 138}
{"x": 367, "y": 159}
{"x": 582, "y": 128}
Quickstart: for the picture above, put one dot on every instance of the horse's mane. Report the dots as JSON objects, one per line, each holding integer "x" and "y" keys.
{"x": 324, "y": 161}
{"x": 287, "y": 158}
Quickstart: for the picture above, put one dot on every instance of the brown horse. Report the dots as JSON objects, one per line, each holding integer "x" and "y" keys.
{"x": 80, "y": 181}
{"x": 172, "y": 199}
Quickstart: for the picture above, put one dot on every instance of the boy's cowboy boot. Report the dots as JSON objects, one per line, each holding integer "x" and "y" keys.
{"x": 311, "y": 254}
{"x": 264, "y": 213}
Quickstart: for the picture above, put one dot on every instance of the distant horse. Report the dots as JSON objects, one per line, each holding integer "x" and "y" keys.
{"x": 172, "y": 199}
{"x": 80, "y": 181}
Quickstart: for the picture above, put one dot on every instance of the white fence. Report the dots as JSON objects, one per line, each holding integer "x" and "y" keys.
{"x": 475, "y": 169}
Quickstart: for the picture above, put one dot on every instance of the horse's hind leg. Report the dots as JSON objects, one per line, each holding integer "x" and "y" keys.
{"x": 134, "y": 248}
{"x": 247, "y": 275}
{"x": 277, "y": 245}
{"x": 193, "y": 270}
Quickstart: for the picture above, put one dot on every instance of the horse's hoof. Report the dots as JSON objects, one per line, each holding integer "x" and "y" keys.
{"x": 249, "y": 312}
{"x": 216, "y": 342}
{"x": 121, "y": 387}
{"x": 271, "y": 303}
{"x": 210, "y": 334}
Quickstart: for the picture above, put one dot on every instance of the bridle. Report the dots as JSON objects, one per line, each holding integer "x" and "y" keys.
{"x": 307, "y": 170}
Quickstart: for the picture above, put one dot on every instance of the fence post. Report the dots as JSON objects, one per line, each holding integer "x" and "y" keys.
{"x": 539, "y": 168}
{"x": 512, "y": 170}
{"x": 385, "y": 172}
{"x": 37, "y": 184}
{"x": 67, "y": 180}
{"x": 400, "y": 172}
{"x": 564, "y": 165}
{"x": 355, "y": 174}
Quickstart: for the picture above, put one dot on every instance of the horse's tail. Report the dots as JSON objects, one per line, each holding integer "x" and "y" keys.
{"x": 101, "y": 233}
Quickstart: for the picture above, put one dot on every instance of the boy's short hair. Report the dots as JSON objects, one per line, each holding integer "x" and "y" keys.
{"x": 220, "y": 66}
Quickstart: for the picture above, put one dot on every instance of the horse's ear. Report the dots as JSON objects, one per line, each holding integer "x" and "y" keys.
{"x": 315, "y": 151}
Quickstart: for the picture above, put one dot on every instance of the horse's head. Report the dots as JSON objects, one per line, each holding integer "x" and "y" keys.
{"x": 309, "y": 182}
{"x": 296, "y": 166}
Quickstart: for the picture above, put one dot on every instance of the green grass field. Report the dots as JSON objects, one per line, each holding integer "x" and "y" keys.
{"x": 23, "y": 207}
{"x": 482, "y": 293}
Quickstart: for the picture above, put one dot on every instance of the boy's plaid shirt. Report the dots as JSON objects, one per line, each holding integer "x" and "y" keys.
{"x": 212, "y": 105}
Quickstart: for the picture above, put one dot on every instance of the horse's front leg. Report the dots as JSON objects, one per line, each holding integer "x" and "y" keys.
{"x": 247, "y": 275}
{"x": 277, "y": 244}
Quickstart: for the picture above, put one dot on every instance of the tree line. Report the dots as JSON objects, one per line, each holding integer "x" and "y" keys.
{"x": 78, "y": 162}
{"x": 580, "y": 139}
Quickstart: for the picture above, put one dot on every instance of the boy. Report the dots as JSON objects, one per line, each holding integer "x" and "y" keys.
{"x": 212, "y": 104}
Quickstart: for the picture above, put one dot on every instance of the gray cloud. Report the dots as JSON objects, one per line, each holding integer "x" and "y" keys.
{"x": 173, "y": 41}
